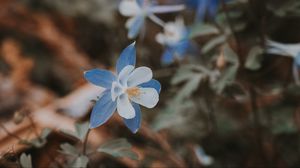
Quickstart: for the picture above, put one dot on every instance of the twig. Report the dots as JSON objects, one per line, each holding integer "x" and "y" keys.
{"x": 211, "y": 115}
{"x": 177, "y": 160}
{"x": 257, "y": 123}
{"x": 260, "y": 18}
{"x": 35, "y": 130}
{"x": 9, "y": 133}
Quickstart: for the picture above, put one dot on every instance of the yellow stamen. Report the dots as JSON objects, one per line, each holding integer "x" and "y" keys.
{"x": 134, "y": 91}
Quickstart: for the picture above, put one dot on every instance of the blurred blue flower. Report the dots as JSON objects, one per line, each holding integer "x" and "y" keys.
{"x": 204, "y": 7}
{"x": 124, "y": 92}
{"x": 290, "y": 50}
{"x": 138, "y": 10}
{"x": 175, "y": 39}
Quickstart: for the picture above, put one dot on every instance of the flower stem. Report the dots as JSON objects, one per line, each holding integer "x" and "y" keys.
{"x": 34, "y": 127}
{"x": 85, "y": 142}
{"x": 257, "y": 124}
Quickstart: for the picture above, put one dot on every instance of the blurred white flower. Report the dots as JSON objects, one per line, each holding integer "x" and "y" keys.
{"x": 138, "y": 10}
{"x": 290, "y": 50}
{"x": 175, "y": 39}
{"x": 173, "y": 33}
{"x": 204, "y": 159}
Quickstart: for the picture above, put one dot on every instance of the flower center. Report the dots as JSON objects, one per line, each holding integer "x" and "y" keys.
{"x": 134, "y": 91}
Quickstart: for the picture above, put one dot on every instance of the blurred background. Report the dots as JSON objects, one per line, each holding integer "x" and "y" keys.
{"x": 227, "y": 102}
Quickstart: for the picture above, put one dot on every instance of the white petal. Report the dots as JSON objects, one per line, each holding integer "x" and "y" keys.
{"x": 116, "y": 90}
{"x": 124, "y": 75}
{"x": 283, "y": 49}
{"x": 124, "y": 107}
{"x": 139, "y": 75}
{"x": 129, "y": 8}
{"x": 173, "y": 33}
{"x": 166, "y": 8}
{"x": 148, "y": 97}
{"x": 160, "y": 38}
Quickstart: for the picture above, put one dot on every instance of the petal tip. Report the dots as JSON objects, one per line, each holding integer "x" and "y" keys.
{"x": 134, "y": 131}
{"x": 92, "y": 126}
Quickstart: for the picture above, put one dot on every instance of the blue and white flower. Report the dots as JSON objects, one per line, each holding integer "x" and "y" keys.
{"x": 175, "y": 38}
{"x": 125, "y": 91}
{"x": 289, "y": 50}
{"x": 138, "y": 10}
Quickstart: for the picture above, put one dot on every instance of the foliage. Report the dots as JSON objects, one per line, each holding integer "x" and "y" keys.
{"x": 118, "y": 148}
{"x": 81, "y": 130}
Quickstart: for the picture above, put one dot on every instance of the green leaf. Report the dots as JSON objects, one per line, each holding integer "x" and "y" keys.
{"x": 81, "y": 130}
{"x": 213, "y": 43}
{"x": 181, "y": 76}
{"x": 118, "y": 148}
{"x": 191, "y": 75}
{"x": 69, "y": 149}
{"x": 190, "y": 86}
{"x": 202, "y": 29}
{"x": 230, "y": 72}
{"x": 172, "y": 115}
{"x": 45, "y": 133}
{"x": 254, "y": 58}
{"x": 116, "y": 144}
{"x": 80, "y": 162}
{"x": 284, "y": 8}
{"x": 230, "y": 55}
{"x": 283, "y": 120}
{"x": 25, "y": 161}
{"x": 39, "y": 141}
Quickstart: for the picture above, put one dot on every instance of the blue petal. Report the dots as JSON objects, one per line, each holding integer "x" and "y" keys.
{"x": 152, "y": 84}
{"x": 167, "y": 57}
{"x": 135, "y": 123}
{"x": 201, "y": 10}
{"x": 103, "y": 110}
{"x": 179, "y": 51}
{"x": 192, "y": 3}
{"x": 127, "y": 57}
{"x": 213, "y": 8}
{"x": 136, "y": 26}
{"x": 100, "y": 77}
{"x": 297, "y": 60}
{"x": 181, "y": 48}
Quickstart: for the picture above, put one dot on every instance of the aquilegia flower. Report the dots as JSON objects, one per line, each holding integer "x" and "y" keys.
{"x": 290, "y": 50}
{"x": 204, "y": 7}
{"x": 125, "y": 91}
{"x": 138, "y": 10}
{"x": 175, "y": 38}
